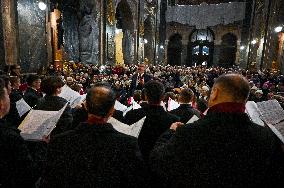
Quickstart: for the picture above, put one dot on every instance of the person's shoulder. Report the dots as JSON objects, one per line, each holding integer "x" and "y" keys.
{"x": 10, "y": 134}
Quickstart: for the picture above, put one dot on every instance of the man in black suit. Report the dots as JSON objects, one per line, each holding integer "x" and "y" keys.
{"x": 94, "y": 154}
{"x": 139, "y": 79}
{"x": 157, "y": 119}
{"x": 32, "y": 95}
{"x": 185, "y": 110}
{"x": 225, "y": 149}
{"x": 16, "y": 165}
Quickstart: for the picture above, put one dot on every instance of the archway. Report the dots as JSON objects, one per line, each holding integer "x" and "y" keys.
{"x": 125, "y": 23}
{"x": 228, "y": 50}
{"x": 201, "y": 47}
{"x": 175, "y": 49}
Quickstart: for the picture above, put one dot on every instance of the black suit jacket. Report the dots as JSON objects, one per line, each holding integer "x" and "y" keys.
{"x": 94, "y": 156}
{"x": 185, "y": 112}
{"x": 16, "y": 164}
{"x": 133, "y": 86}
{"x": 157, "y": 122}
{"x": 12, "y": 118}
{"x": 31, "y": 97}
{"x": 221, "y": 150}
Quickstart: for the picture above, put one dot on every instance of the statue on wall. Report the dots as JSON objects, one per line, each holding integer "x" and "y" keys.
{"x": 88, "y": 32}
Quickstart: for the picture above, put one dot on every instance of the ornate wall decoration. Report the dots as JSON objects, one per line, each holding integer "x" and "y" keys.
{"x": 110, "y": 12}
{"x": 141, "y": 29}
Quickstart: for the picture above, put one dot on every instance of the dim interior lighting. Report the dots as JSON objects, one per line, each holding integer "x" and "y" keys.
{"x": 278, "y": 29}
{"x": 254, "y": 41}
{"x": 41, "y": 5}
{"x": 242, "y": 47}
{"x": 145, "y": 41}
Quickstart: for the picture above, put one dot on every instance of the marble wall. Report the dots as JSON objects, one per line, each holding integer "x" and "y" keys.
{"x": 32, "y": 38}
{"x": 2, "y": 49}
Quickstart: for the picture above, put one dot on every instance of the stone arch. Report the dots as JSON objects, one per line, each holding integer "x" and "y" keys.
{"x": 228, "y": 50}
{"x": 201, "y": 47}
{"x": 174, "y": 49}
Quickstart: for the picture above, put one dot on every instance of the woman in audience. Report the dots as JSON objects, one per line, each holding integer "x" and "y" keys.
{"x": 51, "y": 86}
{"x": 32, "y": 94}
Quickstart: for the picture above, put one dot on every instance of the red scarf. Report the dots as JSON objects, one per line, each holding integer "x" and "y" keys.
{"x": 228, "y": 107}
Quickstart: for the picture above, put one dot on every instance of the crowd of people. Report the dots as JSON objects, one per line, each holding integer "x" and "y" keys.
{"x": 221, "y": 149}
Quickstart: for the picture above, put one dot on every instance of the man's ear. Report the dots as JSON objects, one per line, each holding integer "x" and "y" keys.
{"x": 111, "y": 111}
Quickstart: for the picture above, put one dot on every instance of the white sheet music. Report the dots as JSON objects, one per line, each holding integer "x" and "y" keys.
{"x": 254, "y": 113}
{"x": 39, "y": 123}
{"x": 172, "y": 104}
{"x": 132, "y": 130}
{"x": 271, "y": 111}
{"x": 22, "y": 107}
{"x": 278, "y": 130}
{"x": 71, "y": 96}
{"x": 119, "y": 106}
{"x": 193, "y": 119}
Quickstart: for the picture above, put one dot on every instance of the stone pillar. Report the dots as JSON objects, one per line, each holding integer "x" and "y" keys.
{"x": 8, "y": 9}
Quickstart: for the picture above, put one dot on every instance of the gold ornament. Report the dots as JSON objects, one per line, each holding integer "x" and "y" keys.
{"x": 110, "y": 12}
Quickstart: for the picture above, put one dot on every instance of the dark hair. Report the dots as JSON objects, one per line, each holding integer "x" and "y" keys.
{"x": 6, "y": 80}
{"x": 234, "y": 85}
{"x": 31, "y": 78}
{"x": 185, "y": 95}
{"x": 13, "y": 80}
{"x": 50, "y": 84}
{"x": 2, "y": 86}
{"x": 137, "y": 95}
{"x": 154, "y": 91}
{"x": 143, "y": 95}
{"x": 100, "y": 99}
{"x": 169, "y": 95}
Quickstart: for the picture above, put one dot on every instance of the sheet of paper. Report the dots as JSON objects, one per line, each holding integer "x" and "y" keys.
{"x": 132, "y": 130}
{"x": 22, "y": 107}
{"x": 271, "y": 111}
{"x": 119, "y": 106}
{"x": 39, "y": 123}
{"x": 127, "y": 110}
{"x": 193, "y": 119}
{"x": 135, "y": 105}
{"x": 71, "y": 96}
{"x": 253, "y": 112}
{"x": 172, "y": 104}
{"x": 278, "y": 130}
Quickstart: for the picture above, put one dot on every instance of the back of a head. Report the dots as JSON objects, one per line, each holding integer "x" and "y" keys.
{"x": 235, "y": 86}
{"x": 50, "y": 84}
{"x": 154, "y": 92}
{"x": 185, "y": 95}
{"x": 137, "y": 95}
{"x": 100, "y": 100}
{"x": 31, "y": 78}
{"x": 2, "y": 87}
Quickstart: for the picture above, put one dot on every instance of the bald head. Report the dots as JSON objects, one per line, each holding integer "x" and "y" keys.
{"x": 230, "y": 88}
{"x": 100, "y": 100}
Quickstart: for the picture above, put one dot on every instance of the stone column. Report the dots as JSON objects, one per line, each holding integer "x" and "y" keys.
{"x": 8, "y": 9}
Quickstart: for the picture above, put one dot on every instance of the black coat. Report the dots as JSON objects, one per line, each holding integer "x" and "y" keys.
{"x": 16, "y": 165}
{"x": 221, "y": 150}
{"x": 55, "y": 103}
{"x": 94, "y": 156}
{"x": 185, "y": 112}
{"x": 12, "y": 118}
{"x": 157, "y": 122}
{"x": 31, "y": 97}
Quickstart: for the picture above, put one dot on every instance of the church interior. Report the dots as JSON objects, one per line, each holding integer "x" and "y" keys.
{"x": 245, "y": 33}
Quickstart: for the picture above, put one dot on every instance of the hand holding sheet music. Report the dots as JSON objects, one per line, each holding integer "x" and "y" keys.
{"x": 39, "y": 123}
